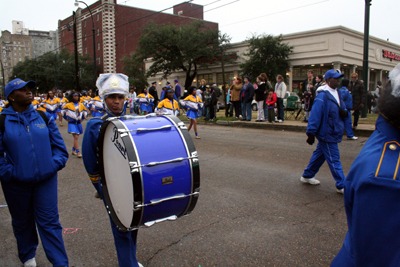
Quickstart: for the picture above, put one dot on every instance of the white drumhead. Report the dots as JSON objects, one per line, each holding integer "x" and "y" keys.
{"x": 118, "y": 176}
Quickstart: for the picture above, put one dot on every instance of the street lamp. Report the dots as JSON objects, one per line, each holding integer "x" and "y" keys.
{"x": 94, "y": 41}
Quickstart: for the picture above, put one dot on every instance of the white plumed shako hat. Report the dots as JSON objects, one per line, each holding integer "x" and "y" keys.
{"x": 112, "y": 83}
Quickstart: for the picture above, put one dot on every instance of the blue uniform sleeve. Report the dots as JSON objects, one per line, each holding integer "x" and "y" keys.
{"x": 6, "y": 168}
{"x": 316, "y": 116}
{"x": 58, "y": 148}
{"x": 89, "y": 150}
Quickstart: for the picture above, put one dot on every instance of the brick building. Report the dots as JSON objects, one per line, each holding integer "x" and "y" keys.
{"x": 118, "y": 29}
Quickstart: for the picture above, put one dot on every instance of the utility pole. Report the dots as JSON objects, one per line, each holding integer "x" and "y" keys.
{"x": 76, "y": 54}
{"x": 365, "y": 59}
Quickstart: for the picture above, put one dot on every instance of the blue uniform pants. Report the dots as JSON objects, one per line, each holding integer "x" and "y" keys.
{"x": 246, "y": 111}
{"x": 348, "y": 125}
{"x": 31, "y": 206}
{"x": 125, "y": 243}
{"x": 330, "y": 153}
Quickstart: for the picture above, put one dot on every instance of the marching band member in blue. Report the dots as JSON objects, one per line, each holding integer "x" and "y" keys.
{"x": 113, "y": 88}
{"x": 61, "y": 105}
{"x": 32, "y": 151}
{"x": 85, "y": 100}
{"x": 51, "y": 104}
{"x": 75, "y": 112}
{"x": 169, "y": 104}
{"x": 345, "y": 95}
{"x": 193, "y": 104}
{"x": 145, "y": 101}
{"x": 326, "y": 123}
{"x": 97, "y": 106}
{"x": 372, "y": 190}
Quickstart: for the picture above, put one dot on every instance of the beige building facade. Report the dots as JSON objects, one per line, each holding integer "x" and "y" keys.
{"x": 318, "y": 50}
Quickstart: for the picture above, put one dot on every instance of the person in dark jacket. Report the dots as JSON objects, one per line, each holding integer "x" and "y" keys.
{"x": 32, "y": 152}
{"x": 326, "y": 123}
{"x": 370, "y": 101}
{"x": 153, "y": 92}
{"x": 372, "y": 190}
{"x": 348, "y": 100}
{"x": 246, "y": 96}
{"x": 358, "y": 93}
{"x": 309, "y": 83}
{"x": 260, "y": 98}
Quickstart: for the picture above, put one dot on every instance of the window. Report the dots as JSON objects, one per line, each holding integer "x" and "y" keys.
{"x": 228, "y": 78}
{"x": 19, "y": 53}
{"x": 19, "y": 42}
{"x": 15, "y": 48}
{"x": 207, "y": 77}
{"x": 84, "y": 23}
{"x": 15, "y": 54}
{"x": 85, "y": 50}
{"x": 98, "y": 31}
{"x": 15, "y": 42}
{"x": 19, "y": 48}
{"x": 26, "y": 48}
{"x": 63, "y": 33}
{"x": 26, "y": 43}
{"x": 85, "y": 36}
{"x": 20, "y": 59}
{"x": 98, "y": 47}
{"x": 99, "y": 60}
{"x": 98, "y": 16}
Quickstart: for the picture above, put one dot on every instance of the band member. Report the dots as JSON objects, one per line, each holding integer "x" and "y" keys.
{"x": 32, "y": 151}
{"x": 113, "y": 88}
{"x": 372, "y": 190}
{"x": 193, "y": 104}
{"x": 145, "y": 101}
{"x": 63, "y": 102}
{"x": 97, "y": 105}
{"x": 169, "y": 104}
{"x": 75, "y": 112}
{"x": 85, "y": 100}
{"x": 51, "y": 104}
{"x": 327, "y": 124}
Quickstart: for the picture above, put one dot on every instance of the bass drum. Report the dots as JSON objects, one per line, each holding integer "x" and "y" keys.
{"x": 149, "y": 170}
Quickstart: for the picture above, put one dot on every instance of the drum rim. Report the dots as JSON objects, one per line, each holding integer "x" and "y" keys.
{"x": 109, "y": 206}
{"x": 195, "y": 170}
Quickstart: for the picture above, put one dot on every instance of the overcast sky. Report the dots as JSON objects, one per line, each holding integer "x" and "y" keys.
{"x": 238, "y": 18}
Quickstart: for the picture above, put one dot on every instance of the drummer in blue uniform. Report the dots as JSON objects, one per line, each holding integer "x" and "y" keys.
{"x": 327, "y": 124}
{"x": 113, "y": 88}
{"x": 372, "y": 190}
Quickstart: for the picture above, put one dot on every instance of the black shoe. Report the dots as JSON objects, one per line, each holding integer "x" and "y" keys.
{"x": 243, "y": 119}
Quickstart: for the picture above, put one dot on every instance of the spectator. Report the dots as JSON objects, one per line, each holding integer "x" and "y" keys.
{"x": 246, "y": 96}
{"x": 154, "y": 94}
{"x": 309, "y": 83}
{"x": 215, "y": 93}
{"x": 229, "y": 106}
{"x": 271, "y": 100}
{"x": 268, "y": 87}
{"x": 370, "y": 101}
{"x": 319, "y": 81}
{"x": 358, "y": 94}
{"x": 280, "y": 90}
{"x": 308, "y": 102}
{"x": 177, "y": 89}
{"x": 327, "y": 112}
{"x": 260, "y": 98}
{"x": 235, "y": 88}
{"x": 348, "y": 100}
{"x": 207, "y": 102}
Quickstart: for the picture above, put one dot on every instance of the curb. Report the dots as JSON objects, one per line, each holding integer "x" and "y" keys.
{"x": 281, "y": 127}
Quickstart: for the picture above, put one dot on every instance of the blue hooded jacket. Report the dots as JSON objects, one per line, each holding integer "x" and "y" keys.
{"x": 325, "y": 122}
{"x": 33, "y": 151}
{"x": 346, "y": 97}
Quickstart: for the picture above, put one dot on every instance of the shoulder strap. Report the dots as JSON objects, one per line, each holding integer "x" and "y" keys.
{"x": 2, "y": 122}
{"x": 44, "y": 117}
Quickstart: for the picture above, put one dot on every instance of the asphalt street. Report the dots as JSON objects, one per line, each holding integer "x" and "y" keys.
{"x": 252, "y": 210}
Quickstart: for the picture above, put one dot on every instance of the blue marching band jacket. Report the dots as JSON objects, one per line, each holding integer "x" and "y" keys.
{"x": 325, "y": 122}
{"x": 372, "y": 197}
{"x": 27, "y": 134}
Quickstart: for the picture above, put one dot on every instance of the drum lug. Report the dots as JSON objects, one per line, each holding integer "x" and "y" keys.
{"x": 136, "y": 204}
{"x": 182, "y": 126}
{"x": 134, "y": 167}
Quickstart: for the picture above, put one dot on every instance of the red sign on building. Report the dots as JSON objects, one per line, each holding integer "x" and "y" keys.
{"x": 390, "y": 55}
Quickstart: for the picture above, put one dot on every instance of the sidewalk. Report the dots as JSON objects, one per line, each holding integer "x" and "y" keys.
{"x": 364, "y": 130}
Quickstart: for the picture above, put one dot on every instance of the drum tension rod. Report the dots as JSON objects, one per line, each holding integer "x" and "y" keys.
{"x": 158, "y": 201}
{"x": 147, "y": 129}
